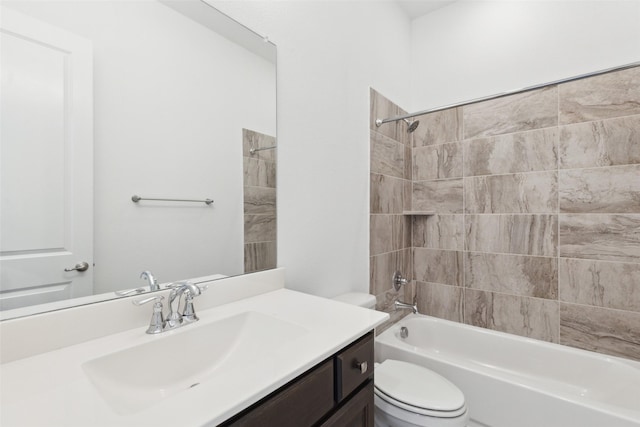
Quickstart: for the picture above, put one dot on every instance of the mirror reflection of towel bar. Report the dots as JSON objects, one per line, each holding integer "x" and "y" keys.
{"x": 253, "y": 150}
{"x": 136, "y": 199}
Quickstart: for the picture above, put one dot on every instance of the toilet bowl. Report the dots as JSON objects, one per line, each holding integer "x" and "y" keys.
{"x": 408, "y": 395}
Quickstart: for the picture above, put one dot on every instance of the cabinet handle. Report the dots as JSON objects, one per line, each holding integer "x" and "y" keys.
{"x": 362, "y": 366}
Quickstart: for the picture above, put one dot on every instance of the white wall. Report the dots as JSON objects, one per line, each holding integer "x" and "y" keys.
{"x": 472, "y": 49}
{"x": 329, "y": 54}
{"x": 169, "y": 113}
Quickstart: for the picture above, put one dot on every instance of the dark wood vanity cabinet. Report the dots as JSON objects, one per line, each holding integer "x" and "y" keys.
{"x": 337, "y": 392}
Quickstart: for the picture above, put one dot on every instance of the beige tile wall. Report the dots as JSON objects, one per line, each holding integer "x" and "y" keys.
{"x": 537, "y": 225}
{"x": 390, "y": 195}
{"x": 259, "y": 202}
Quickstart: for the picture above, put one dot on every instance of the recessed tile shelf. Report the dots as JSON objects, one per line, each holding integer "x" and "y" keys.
{"x": 418, "y": 213}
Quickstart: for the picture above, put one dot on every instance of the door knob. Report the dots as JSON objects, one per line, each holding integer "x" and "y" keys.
{"x": 81, "y": 266}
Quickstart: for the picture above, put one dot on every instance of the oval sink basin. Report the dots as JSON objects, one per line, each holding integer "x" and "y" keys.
{"x": 139, "y": 377}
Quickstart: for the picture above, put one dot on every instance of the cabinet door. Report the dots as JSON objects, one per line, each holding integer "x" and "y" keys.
{"x": 356, "y": 412}
{"x": 301, "y": 404}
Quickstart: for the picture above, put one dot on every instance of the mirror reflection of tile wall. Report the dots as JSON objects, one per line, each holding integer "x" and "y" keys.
{"x": 537, "y": 224}
{"x": 259, "y": 201}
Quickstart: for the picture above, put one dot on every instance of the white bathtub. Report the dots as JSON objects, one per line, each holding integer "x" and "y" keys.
{"x": 510, "y": 381}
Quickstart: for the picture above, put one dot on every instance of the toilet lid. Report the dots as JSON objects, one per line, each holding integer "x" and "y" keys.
{"x": 417, "y": 387}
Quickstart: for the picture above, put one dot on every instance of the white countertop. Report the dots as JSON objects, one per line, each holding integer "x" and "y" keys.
{"x": 51, "y": 389}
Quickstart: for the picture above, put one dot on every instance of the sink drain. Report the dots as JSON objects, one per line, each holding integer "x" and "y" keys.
{"x": 193, "y": 385}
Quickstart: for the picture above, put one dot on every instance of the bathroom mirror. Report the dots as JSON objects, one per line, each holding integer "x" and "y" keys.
{"x": 106, "y": 100}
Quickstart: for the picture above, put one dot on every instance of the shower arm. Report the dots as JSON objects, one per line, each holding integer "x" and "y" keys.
{"x": 379, "y": 122}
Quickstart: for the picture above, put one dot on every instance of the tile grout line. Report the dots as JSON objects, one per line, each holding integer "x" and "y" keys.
{"x": 557, "y": 145}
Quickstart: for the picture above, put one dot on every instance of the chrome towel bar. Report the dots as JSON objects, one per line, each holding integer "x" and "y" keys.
{"x": 136, "y": 199}
{"x": 253, "y": 150}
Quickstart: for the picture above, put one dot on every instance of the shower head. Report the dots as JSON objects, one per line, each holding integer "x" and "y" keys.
{"x": 413, "y": 125}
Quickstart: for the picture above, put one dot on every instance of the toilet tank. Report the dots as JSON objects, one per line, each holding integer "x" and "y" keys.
{"x": 357, "y": 298}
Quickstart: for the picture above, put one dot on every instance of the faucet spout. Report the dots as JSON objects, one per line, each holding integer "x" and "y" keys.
{"x": 400, "y": 304}
{"x": 153, "y": 283}
{"x": 175, "y": 318}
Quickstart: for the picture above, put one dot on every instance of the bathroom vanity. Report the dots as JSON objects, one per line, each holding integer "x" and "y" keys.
{"x": 260, "y": 355}
{"x": 336, "y": 392}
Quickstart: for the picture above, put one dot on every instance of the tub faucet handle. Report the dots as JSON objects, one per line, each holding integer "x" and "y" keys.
{"x": 398, "y": 280}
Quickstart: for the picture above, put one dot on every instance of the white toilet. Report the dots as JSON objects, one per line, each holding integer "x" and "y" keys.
{"x": 408, "y": 395}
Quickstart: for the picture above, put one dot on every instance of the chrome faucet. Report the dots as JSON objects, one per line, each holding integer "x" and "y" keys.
{"x": 400, "y": 304}
{"x": 153, "y": 283}
{"x": 174, "y": 319}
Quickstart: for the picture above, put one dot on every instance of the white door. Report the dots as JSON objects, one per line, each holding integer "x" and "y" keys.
{"x": 46, "y": 162}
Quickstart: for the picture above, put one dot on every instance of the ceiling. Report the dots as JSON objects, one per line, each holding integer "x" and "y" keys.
{"x": 416, "y": 8}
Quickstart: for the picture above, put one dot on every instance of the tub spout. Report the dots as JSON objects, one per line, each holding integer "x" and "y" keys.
{"x": 400, "y": 304}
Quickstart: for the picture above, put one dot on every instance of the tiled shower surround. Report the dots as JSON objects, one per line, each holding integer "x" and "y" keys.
{"x": 536, "y": 197}
{"x": 259, "y": 201}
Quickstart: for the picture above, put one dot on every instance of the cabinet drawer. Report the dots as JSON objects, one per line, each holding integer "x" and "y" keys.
{"x": 354, "y": 365}
{"x": 300, "y": 404}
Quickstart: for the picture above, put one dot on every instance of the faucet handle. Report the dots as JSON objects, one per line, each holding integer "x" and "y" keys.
{"x": 146, "y": 300}
{"x": 129, "y": 292}
{"x": 189, "y": 312}
{"x": 156, "y": 324}
{"x": 398, "y": 280}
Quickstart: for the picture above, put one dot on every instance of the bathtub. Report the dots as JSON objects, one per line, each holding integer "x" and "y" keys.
{"x": 510, "y": 381}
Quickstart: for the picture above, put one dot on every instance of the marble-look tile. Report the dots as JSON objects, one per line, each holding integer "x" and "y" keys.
{"x": 253, "y": 139}
{"x": 259, "y": 228}
{"x": 389, "y": 233}
{"x": 518, "y": 152}
{"x": 407, "y": 195}
{"x": 613, "y": 332}
{"x": 259, "y": 200}
{"x": 259, "y": 256}
{"x": 438, "y": 232}
{"x": 438, "y": 128}
{"x": 382, "y": 267}
{"x": 512, "y": 234}
{"x": 408, "y": 164}
{"x": 437, "y": 162}
{"x": 600, "y": 283}
{"x": 387, "y": 156}
{"x": 534, "y": 192}
{"x": 603, "y": 143}
{"x": 259, "y": 173}
{"x": 600, "y": 236}
{"x": 608, "y": 95}
{"x": 443, "y": 196}
{"x": 441, "y": 301}
{"x": 512, "y": 274}
{"x": 438, "y": 266}
{"x": 386, "y": 194}
{"x": 514, "y": 113}
{"x": 601, "y": 190}
{"x": 524, "y": 316}
{"x": 383, "y": 108}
